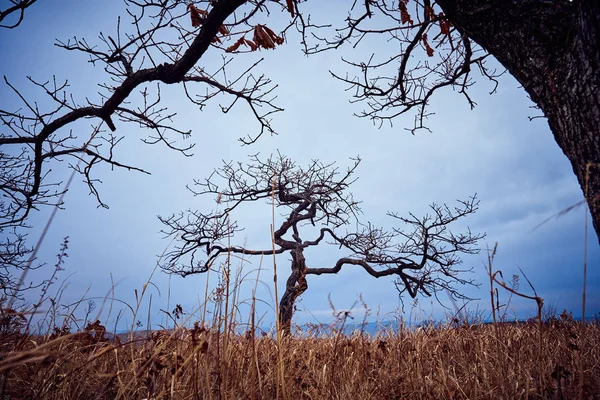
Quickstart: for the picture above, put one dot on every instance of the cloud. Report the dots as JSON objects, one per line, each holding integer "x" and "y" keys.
{"x": 514, "y": 166}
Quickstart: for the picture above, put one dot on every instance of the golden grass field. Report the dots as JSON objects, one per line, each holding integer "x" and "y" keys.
{"x": 460, "y": 361}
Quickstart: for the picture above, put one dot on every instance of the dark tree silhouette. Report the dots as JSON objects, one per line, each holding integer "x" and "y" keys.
{"x": 549, "y": 46}
{"x": 146, "y": 53}
{"x": 163, "y": 43}
{"x": 317, "y": 209}
{"x": 17, "y": 8}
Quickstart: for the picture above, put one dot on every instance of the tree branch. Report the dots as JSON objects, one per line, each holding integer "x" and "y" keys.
{"x": 18, "y": 6}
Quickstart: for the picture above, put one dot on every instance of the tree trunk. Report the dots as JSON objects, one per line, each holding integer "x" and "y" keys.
{"x": 295, "y": 286}
{"x": 551, "y": 48}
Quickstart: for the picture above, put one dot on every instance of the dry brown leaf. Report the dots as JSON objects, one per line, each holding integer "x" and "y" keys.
{"x": 404, "y": 15}
{"x": 251, "y": 44}
{"x": 290, "y": 7}
{"x": 223, "y": 30}
{"x": 239, "y": 42}
{"x": 262, "y": 38}
{"x": 273, "y": 36}
{"x": 197, "y": 15}
{"x": 444, "y": 25}
{"x": 427, "y": 46}
{"x": 233, "y": 48}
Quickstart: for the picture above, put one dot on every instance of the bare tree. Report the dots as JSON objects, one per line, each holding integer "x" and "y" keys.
{"x": 164, "y": 46}
{"x": 317, "y": 209}
{"x": 163, "y": 43}
{"x": 549, "y": 46}
{"x": 14, "y": 254}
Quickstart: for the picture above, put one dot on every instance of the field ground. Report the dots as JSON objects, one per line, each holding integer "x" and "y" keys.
{"x": 508, "y": 361}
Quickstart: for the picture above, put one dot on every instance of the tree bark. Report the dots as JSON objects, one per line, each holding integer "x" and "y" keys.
{"x": 551, "y": 48}
{"x": 295, "y": 286}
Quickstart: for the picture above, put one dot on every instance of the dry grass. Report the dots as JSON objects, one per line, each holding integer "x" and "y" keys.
{"x": 470, "y": 361}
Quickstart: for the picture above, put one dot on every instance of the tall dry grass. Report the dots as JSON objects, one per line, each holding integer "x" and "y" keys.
{"x": 449, "y": 362}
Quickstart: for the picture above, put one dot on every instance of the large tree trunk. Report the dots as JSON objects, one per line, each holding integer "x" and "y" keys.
{"x": 295, "y": 286}
{"x": 551, "y": 48}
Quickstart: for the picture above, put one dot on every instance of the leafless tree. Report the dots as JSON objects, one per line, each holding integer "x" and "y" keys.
{"x": 162, "y": 43}
{"x": 317, "y": 209}
{"x": 549, "y": 46}
{"x": 164, "y": 46}
{"x": 14, "y": 254}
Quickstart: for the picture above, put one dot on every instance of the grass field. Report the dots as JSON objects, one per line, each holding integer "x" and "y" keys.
{"x": 457, "y": 361}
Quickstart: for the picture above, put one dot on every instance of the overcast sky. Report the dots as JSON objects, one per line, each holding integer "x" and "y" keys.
{"x": 514, "y": 165}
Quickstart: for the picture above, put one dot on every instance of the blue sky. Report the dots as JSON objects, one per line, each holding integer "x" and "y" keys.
{"x": 514, "y": 165}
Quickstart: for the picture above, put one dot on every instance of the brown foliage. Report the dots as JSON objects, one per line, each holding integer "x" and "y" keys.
{"x": 290, "y": 7}
{"x": 444, "y": 25}
{"x": 265, "y": 37}
{"x": 404, "y": 15}
{"x": 197, "y": 15}
{"x": 427, "y": 46}
{"x": 242, "y": 41}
